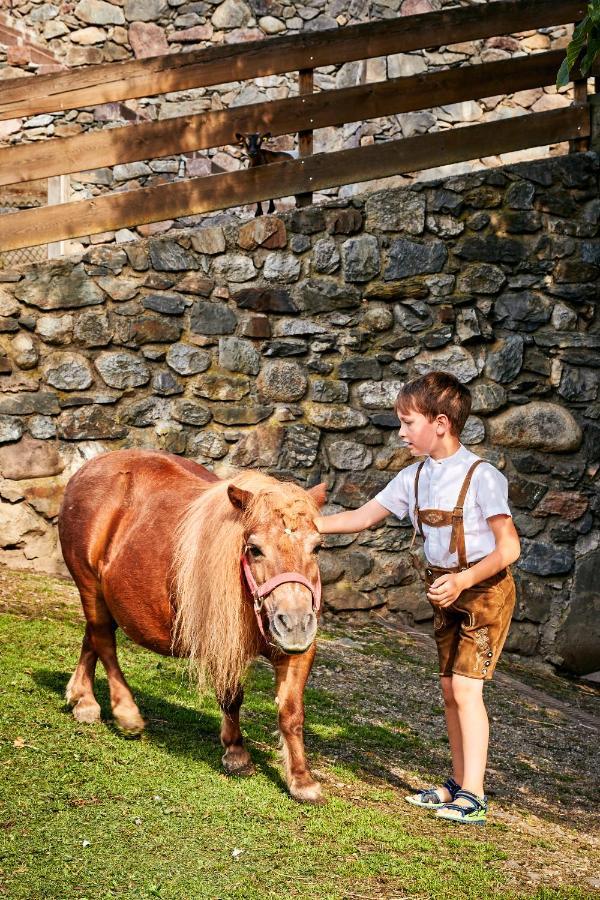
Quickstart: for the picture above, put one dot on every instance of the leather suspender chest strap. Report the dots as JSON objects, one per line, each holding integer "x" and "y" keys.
{"x": 437, "y": 518}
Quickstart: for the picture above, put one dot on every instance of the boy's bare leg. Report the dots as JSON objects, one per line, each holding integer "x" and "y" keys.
{"x": 454, "y": 735}
{"x": 474, "y": 729}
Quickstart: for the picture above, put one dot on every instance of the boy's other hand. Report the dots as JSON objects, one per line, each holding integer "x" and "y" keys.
{"x": 446, "y": 589}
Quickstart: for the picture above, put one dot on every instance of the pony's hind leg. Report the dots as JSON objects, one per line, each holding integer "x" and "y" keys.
{"x": 236, "y": 759}
{"x": 80, "y": 689}
{"x": 125, "y": 710}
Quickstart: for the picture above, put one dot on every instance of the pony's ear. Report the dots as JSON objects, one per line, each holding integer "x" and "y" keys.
{"x": 239, "y": 137}
{"x": 239, "y": 497}
{"x": 319, "y": 493}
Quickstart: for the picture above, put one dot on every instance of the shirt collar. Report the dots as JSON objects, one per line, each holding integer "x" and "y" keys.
{"x": 447, "y": 460}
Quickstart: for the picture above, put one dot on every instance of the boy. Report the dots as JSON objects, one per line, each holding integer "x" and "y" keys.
{"x": 459, "y": 505}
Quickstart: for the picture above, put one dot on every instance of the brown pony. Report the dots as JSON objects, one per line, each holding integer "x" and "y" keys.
{"x": 162, "y": 548}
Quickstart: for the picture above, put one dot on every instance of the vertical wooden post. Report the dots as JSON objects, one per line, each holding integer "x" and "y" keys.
{"x": 594, "y": 102}
{"x": 305, "y": 138}
{"x": 579, "y": 96}
{"x": 59, "y": 191}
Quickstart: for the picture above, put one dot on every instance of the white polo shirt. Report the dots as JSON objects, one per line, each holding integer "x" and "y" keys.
{"x": 439, "y": 486}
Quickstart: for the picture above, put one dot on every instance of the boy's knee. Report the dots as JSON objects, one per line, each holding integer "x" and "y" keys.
{"x": 466, "y": 690}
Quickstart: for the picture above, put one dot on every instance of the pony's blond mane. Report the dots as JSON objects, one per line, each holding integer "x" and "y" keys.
{"x": 214, "y": 623}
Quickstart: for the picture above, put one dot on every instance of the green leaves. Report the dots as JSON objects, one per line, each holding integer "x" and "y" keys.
{"x": 586, "y": 41}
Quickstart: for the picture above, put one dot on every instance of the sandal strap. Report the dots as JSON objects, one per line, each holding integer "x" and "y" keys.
{"x": 476, "y": 802}
{"x": 452, "y": 787}
{"x": 430, "y": 793}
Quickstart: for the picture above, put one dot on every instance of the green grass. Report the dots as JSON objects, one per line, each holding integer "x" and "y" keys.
{"x": 86, "y": 813}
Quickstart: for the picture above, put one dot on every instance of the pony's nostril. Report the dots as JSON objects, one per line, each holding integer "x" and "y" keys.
{"x": 284, "y": 623}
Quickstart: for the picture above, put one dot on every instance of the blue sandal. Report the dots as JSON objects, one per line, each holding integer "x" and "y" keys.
{"x": 474, "y": 814}
{"x": 430, "y": 798}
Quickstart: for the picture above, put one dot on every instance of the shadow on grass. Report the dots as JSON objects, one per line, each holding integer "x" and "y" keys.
{"x": 368, "y": 751}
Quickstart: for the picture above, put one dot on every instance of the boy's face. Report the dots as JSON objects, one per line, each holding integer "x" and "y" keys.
{"x": 419, "y": 433}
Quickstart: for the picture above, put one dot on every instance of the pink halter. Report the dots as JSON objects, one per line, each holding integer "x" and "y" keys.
{"x": 259, "y": 593}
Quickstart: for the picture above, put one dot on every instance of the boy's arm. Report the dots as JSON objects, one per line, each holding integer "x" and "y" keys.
{"x": 353, "y": 519}
{"x": 446, "y": 589}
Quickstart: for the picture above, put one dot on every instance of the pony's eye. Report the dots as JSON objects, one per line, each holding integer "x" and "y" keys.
{"x": 255, "y": 551}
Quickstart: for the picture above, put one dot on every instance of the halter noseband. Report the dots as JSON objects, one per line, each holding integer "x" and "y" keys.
{"x": 259, "y": 593}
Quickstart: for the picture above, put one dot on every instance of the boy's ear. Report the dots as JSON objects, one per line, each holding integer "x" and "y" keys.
{"x": 319, "y": 493}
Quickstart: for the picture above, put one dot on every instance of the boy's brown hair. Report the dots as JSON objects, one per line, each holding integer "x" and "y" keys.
{"x": 436, "y": 394}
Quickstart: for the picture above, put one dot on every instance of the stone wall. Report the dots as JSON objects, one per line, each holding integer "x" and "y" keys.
{"x": 95, "y": 31}
{"x": 280, "y": 343}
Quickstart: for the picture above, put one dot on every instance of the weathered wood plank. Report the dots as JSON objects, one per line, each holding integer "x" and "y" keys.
{"x": 27, "y": 162}
{"x": 130, "y": 208}
{"x": 218, "y": 65}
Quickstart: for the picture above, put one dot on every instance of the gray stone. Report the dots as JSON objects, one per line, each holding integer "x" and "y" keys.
{"x": 282, "y": 267}
{"x": 379, "y": 394}
{"x": 300, "y": 447}
{"x": 357, "y": 368}
{"x": 169, "y": 256}
{"x": 231, "y": 14}
{"x": 207, "y": 445}
{"x": 455, "y": 360}
{"x": 144, "y": 10}
{"x": 260, "y": 447}
{"x": 563, "y": 317}
{"x": 520, "y": 195}
{"x": 209, "y": 240}
{"x": 122, "y": 369}
{"x": 445, "y": 226}
{"x": 505, "y": 359}
{"x": 578, "y": 637}
{"x": 24, "y": 351}
{"x": 131, "y": 170}
{"x": 93, "y": 329}
{"x": 106, "y": 257}
{"x": 343, "y": 597}
{"x": 67, "y": 371}
{"x": 150, "y": 330}
{"x": 544, "y": 559}
{"x": 169, "y": 304}
{"x": 406, "y": 258}
{"x": 360, "y": 258}
{"x": 335, "y": 418}
{"x": 473, "y": 432}
{"x": 98, "y": 12}
{"x": 42, "y": 427}
{"x": 378, "y": 318}
{"x": 234, "y": 267}
{"x": 402, "y": 211}
{"x": 8, "y": 304}
{"x": 349, "y": 455}
{"x": 190, "y": 413}
{"x": 481, "y": 278}
{"x": 577, "y": 384}
{"x": 487, "y": 398}
{"x": 141, "y": 413}
{"x": 89, "y": 423}
{"x": 356, "y": 488}
{"x": 10, "y": 429}
{"x": 296, "y": 327}
{"x": 522, "y": 311}
{"x": 187, "y": 360}
{"x": 492, "y": 249}
{"x": 58, "y": 286}
{"x": 318, "y": 295}
{"x": 165, "y": 383}
{"x": 55, "y": 329}
{"x": 536, "y": 426}
{"x": 326, "y": 256}
{"x": 212, "y": 318}
{"x": 238, "y": 355}
{"x": 328, "y": 391}
{"x": 282, "y": 381}
{"x": 265, "y": 300}
{"x": 221, "y": 386}
{"x": 228, "y": 414}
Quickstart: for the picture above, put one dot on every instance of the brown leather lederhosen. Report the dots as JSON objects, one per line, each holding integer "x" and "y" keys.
{"x": 470, "y": 633}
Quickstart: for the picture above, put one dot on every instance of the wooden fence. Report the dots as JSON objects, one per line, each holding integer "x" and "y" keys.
{"x": 302, "y": 114}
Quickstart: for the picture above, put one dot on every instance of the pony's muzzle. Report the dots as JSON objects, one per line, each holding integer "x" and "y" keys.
{"x": 293, "y": 630}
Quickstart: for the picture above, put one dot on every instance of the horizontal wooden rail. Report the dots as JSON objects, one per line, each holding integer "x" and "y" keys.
{"x": 198, "y": 195}
{"x": 110, "y": 82}
{"x": 184, "y": 134}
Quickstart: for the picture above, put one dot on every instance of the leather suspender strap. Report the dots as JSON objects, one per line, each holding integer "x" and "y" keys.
{"x": 457, "y": 539}
{"x": 417, "y": 516}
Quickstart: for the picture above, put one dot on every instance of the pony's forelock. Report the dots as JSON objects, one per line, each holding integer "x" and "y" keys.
{"x": 214, "y": 624}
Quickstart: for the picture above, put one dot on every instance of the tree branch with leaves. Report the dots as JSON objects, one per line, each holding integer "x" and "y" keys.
{"x": 584, "y": 46}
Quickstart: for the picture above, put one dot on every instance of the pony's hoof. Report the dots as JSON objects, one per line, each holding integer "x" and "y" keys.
{"x": 307, "y": 793}
{"x": 238, "y": 763}
{"x": 129, "y": 722}
{"x": 86, "y": 712}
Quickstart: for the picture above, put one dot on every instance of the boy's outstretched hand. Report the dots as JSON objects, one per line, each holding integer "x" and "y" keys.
{"x": 446, "y": 589}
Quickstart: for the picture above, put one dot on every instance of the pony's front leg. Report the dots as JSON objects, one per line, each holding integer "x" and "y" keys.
{"x": 236, "y": 759}
{"x": 291, "y": 675}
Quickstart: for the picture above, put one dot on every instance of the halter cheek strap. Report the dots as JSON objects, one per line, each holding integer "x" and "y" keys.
{"x": 259, "y": 593}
